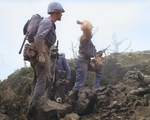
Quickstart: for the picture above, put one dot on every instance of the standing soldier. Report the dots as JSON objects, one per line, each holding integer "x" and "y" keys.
{"x": 43, "y": 40}
{"x": 82, "y": 63}
{"x": 63, "y": 76}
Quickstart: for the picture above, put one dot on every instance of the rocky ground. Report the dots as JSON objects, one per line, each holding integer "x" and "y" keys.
{"x": 126, "y": 99}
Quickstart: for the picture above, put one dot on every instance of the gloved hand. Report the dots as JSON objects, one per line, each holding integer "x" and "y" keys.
{"x": 41, "y": 59}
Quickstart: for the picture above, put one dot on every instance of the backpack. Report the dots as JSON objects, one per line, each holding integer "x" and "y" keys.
{"x": 31, "y": 27}
{"x": 29, "y": 30}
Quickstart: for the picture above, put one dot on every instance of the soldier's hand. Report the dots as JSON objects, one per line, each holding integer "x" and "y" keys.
{"x": 67, "y": 81}
{"x": 100, "y": 54}
{"x": 94, "y": 60}
{"x": 41, "y": 59}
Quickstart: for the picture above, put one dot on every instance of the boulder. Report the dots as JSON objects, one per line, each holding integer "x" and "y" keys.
{"x": 4, "y": 117}
{"x": 72, "y": 116}
{"x": 44, "y": 109}
{"x": 141, "y": 113}
{"x": 86, "y": 101}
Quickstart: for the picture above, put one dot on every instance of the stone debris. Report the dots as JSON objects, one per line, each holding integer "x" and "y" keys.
{"x": 129, "y": 99}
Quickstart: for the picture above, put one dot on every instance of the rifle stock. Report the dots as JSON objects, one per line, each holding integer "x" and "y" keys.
{"x": 106, "y": 48}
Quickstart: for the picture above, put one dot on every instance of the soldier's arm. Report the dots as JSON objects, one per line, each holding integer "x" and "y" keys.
{"x": 39, "y": 39}
{"x": 67, "y": 69}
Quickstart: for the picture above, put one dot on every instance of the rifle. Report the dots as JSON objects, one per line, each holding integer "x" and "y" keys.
{"x": 22, "y": 45}
{"x": 103, "y": 51}
{"x": 93, "y": 62}
{"x": 53, "y": 87}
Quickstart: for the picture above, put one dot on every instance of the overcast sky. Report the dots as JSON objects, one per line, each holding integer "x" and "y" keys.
{"x": 126, "y": 18}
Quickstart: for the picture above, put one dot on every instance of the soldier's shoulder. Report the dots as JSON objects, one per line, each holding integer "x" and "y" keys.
{"x": 46, "y": 21}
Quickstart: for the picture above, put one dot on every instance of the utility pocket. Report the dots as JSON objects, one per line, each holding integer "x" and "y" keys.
{"x": 29, "y": 51}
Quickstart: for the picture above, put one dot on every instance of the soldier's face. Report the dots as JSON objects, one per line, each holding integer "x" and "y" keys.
{"x": 59, "y": 14}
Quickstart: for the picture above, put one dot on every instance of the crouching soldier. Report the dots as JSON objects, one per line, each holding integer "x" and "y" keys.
{"x": 63, "y": 76}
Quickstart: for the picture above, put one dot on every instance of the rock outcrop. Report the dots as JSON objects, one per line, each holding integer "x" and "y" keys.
{"x": 45, "y": 109}
{"x": 127, "y": 99}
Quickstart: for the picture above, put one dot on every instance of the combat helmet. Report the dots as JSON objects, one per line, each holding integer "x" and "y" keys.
{"x": 55, "y": 7}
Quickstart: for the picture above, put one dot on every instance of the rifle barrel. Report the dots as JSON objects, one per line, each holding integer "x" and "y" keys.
{"x": 22, "y": 45}
{"x": 106, "y": 48}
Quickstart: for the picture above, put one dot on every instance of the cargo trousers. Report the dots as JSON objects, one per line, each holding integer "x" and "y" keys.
{"x": 82, "y": 67}
{"x": 42, "y": 78}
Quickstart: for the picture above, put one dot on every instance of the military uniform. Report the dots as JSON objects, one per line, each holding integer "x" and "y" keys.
{"x": 43, "y": 40}
{"x": 64, "y": 74}
{"x": 82, "y": 66}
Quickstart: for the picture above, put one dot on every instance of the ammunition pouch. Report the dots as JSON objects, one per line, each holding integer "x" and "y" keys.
{"x": 61, "y": 77}
{"x": 29, "y": 51}
{"x": 60, "y": 81}
{"x": 61, "y": 74}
